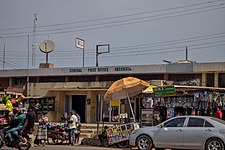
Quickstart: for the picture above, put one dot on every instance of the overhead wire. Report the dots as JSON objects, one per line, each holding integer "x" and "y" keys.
{"x": 112, "y": 24}
{"x": 114, "y": 17}
{"x": 146, "y": 51}
{"x": 143, "y": 49}
{"x": 146, "y": 45}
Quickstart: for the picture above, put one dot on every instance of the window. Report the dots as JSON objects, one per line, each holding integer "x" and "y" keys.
{"x": 198, "y": 122}
{"x": 207, "y": 124}
{"x": 177, "y": 122}
{"x": 45, "y": 103}
{"x": 48, "y": 104}
{"x": 195, "y": 122}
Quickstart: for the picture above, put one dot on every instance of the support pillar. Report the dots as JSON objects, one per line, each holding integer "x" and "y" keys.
{"x": 204, "y": 80}
{"x": 216, "y": 79}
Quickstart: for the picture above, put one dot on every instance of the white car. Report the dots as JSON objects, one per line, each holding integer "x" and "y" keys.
{"x": 183, "y": 132}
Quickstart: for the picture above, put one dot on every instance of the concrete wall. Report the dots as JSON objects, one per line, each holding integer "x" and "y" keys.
{"x": 60, "y": 90}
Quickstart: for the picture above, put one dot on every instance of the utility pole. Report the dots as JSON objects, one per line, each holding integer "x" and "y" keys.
{"x": 28, "y": 47}
{"x": 3, "y": 61}
{"x": 34, "y": 45}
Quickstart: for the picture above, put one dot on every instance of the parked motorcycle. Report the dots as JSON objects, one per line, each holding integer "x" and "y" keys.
{"x": 5, "y": 141}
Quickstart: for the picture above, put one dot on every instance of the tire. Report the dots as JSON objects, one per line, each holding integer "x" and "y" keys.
{"x": 1, "y": 144}
{"x": 24, "y": 146}
{"x": 144, "y": 142}
{"x": 214, "y": 144}
{"x": 123, "y": 144}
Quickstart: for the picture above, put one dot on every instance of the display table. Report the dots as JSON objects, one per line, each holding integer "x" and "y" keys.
{"x": 120, "y": 133}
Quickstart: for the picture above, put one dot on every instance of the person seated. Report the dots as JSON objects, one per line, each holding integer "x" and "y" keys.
{"x": 103, "y": 136}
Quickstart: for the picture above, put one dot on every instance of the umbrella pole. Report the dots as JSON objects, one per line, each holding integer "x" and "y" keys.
{"x": 131, "y": 108}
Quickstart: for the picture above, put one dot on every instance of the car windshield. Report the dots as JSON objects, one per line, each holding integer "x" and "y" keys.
{"x": 219, "y": 120}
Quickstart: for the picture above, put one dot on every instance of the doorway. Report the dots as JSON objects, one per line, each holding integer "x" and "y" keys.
{"x": 78, "y": 104}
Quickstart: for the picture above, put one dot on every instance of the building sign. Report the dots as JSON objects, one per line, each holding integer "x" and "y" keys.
{"x": 101, "y": 69}
{"x": 164, "y": 90}
{"x": 80, "y": 43}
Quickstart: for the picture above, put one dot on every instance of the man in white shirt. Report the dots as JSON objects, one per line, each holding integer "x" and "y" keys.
{"x": 72, "y": 126}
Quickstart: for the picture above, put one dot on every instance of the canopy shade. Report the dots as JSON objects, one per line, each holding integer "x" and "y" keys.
{"x": 125, "y": 87}
{"x": 149, "y": 89}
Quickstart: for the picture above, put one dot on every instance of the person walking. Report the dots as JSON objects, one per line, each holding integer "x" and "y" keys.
{"x": 72, "y": 126}
{"x": 42, "y": 129}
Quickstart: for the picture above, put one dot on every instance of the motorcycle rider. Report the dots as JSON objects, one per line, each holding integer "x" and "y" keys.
{"x": 19, "y": 122}
{"x": 30, "y": 119}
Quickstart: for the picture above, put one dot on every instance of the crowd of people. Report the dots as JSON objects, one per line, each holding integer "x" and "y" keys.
{"x": 20, "y": 120}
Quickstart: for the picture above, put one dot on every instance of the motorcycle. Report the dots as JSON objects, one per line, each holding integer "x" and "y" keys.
{"x": 5, "y": 141}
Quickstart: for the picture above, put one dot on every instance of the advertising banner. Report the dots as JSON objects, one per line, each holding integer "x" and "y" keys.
{"x": 120, "y": 133}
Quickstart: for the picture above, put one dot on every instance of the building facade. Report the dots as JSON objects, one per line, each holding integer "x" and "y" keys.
{"x": 60, "y": 90}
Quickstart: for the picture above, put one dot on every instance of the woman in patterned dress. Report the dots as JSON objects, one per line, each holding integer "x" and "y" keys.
{"x": 42, "y": 129}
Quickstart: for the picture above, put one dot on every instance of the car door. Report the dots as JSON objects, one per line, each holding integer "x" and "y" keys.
{"x": 197, "y": 130}
{"x": 170, "y": 134}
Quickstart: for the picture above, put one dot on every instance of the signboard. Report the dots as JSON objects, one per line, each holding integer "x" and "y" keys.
{"x": 147, "y": 116}
{"x": 120, "y": 133}
{"x": 164, "y": 90}
{"x": 79, "y": 43}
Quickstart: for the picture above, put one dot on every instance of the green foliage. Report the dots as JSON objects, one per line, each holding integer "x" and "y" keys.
{"x": 6, "y": 98}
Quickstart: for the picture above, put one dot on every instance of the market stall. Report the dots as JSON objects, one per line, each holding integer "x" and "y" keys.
{"x": 119, "y": 134}
{"x": 177, "y": 100}
{"x": 124, "y": 89}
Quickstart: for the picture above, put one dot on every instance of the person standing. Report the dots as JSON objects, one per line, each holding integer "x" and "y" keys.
{"x": 42, "y": 129}
{"x": 30, "y": 119}
{"x": 72, "y": 126}
{"x": 78, "y": 126}
{"x": 219, "y": 113}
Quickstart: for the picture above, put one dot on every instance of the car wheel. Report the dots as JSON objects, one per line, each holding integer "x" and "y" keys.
{"x": 214, "y": 144}
{"x": 144, "y": 142}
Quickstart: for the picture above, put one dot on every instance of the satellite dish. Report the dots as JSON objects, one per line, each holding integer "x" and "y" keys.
{"x": 47, "y": 46}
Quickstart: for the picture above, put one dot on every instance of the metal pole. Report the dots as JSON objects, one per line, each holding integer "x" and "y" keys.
{"x": 96, "y": 55}
{"x": 186, "y": 53}
{"x": 46, "y": 48}
{"x": 28, "y": 47}
{"x": 3, "y": 62}
{"x": 131, "y": 109}
{"x": 83, "y": 57}
{"x": 46, "y": 58}
{"x": 98, "y": 98}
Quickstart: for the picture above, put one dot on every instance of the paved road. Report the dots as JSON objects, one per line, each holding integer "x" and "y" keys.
{"x": 76, "y": 147}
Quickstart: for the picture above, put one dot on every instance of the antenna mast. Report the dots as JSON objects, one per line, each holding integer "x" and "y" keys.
{"x": 186, "y": 53}
{"x": 34, "y": 45}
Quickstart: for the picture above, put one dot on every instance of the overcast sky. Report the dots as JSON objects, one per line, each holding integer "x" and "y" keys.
{"x": 139, "y": 32}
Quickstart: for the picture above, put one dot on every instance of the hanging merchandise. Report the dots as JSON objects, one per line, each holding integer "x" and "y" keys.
{"x": 147, "y": 102}
{"x": 9, "y": 106}
{"x": 223, "y": 99}
{"x": 170, "y": 112}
